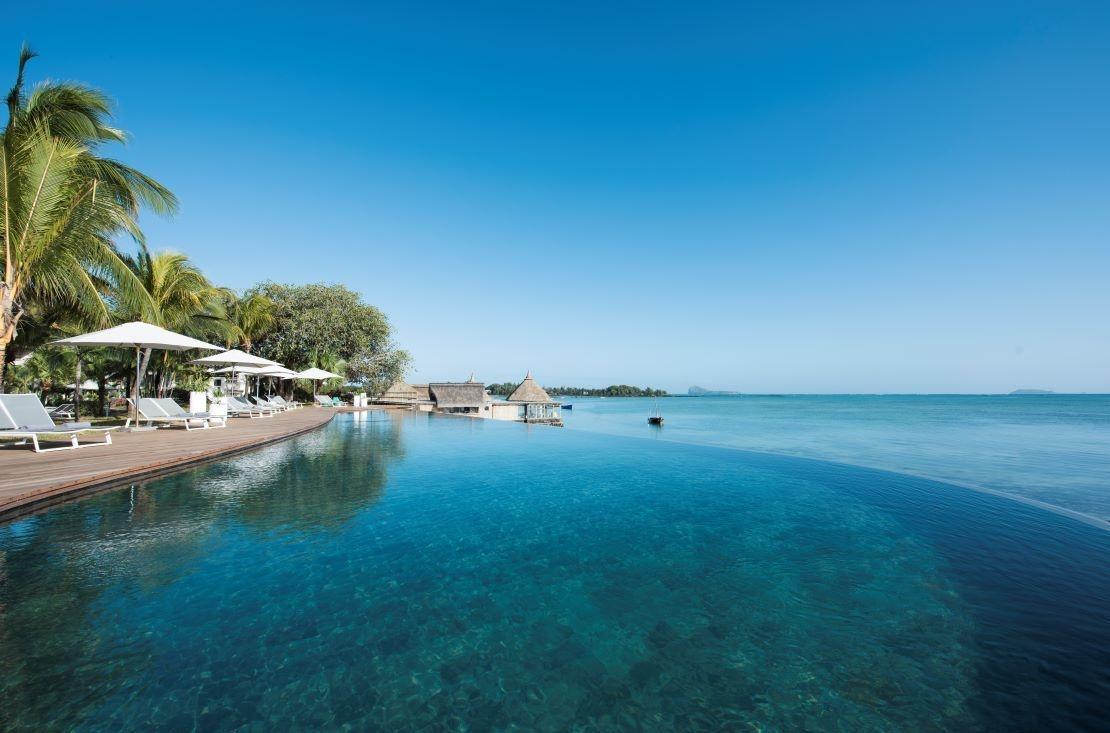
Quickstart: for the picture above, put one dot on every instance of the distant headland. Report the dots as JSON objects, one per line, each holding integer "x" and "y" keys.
{"x": 696, "y": 391}
{"x": 1032, "y": 391}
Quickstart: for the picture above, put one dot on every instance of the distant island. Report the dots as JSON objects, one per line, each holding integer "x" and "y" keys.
{"x": 696, "y": 391}
{"x": 1032, "y": 391}
{"x": 614, "y": 390}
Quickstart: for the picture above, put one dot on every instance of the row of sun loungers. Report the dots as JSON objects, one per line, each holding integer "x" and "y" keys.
{"x": 167, "y": 411}
{"x": 258, "y": 406}
{"x": 23, "y": 417}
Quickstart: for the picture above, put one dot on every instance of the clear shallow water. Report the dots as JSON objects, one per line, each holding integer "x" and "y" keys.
{"x": 472, "y": 575}
{"x": 1053, "y": 449}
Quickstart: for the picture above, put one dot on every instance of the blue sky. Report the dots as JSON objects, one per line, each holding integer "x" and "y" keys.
{"x": 809, "y": 198}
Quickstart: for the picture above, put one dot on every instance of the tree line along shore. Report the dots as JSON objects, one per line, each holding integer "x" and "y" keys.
{"x": 615, "y": 390}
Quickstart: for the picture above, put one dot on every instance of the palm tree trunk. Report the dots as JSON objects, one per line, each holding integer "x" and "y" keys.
{"x": 144, "y": 362}
{"x": 9, "y": 317}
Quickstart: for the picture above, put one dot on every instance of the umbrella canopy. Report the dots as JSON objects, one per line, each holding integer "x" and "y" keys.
{"x": 238, "y": 370}
{"x": 277, "y": 370}
{"x": 235, "y": 357}
{"x": 138, "y": 335}
{"x": 315, "y": 373}
{"x": 87, "y": 384}
{"x": 240, "y": 362}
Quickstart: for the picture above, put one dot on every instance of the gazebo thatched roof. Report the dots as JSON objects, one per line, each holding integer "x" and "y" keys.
{"x": 529, "y": 391}
{"x": 458, "y": 394}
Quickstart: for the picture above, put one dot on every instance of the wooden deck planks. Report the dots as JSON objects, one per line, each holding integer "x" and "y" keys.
{"x": 29, "y": 480}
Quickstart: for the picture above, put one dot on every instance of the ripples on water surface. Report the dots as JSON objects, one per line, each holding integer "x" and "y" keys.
{"x": 1053, "y": 449}
{"x": 401, "y": 572}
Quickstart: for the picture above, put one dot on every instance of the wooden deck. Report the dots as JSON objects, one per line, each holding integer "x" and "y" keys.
{"x": 30, "y": 481}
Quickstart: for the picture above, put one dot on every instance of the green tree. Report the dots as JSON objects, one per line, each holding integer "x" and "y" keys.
{"x": 62, "y": 205}
{"x": 377, "y": 373}
{"x": 319, "y": 324}
{"x": 252, "y": 316}
{"x": 182, "y": 300}
{"x": 48, "y": 371}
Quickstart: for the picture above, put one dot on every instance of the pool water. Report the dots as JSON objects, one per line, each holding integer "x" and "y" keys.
{"x": 415, "y": 572}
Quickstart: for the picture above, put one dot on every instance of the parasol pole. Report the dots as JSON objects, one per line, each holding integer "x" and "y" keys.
{"x": 135, "y": 389}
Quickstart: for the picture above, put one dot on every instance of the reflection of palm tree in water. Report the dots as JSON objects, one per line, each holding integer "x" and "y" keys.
{"x": 336, "y": 474}
{"x": 71, "y": 559}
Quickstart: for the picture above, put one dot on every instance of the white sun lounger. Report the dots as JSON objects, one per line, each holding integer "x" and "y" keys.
{"x": 23, "y": 416}
{"x": 173, "y": 409}
{"x": 324, "y": 401}
{"x": 152, "y": 412}
{"x": 280, "y": 401}
{"x": 65, "y": 411}
{"x": 237, "y": 407}
{"x": 268, "y": 404}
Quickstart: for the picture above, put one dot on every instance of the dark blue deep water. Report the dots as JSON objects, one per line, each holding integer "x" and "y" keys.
{"x": 424, "y": 573}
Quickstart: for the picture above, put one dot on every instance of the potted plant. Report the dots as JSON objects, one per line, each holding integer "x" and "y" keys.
{"x": 196, "y": 382}
{"x": 217, "y": 404}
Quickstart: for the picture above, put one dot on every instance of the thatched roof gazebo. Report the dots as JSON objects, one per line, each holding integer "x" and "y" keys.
{"x": 529, "y": 402}
{"x": 529, "y": 391}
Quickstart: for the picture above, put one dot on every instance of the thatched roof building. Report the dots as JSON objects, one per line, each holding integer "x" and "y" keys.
{"x": 458, "y": 396}
{"x": 529, "y": 391}
{"x": 399, "y": 391}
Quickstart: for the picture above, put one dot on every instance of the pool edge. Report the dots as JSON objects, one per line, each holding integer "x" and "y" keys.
{"x": 33, "y": 503}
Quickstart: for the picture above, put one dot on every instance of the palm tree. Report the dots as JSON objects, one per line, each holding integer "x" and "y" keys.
{"x": 182, "y": 300}
{"x": 252, "y": 316}
{"x": 61, "y": 205}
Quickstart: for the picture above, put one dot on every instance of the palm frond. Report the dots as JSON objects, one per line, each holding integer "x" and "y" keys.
{"x": 73, "y": 112}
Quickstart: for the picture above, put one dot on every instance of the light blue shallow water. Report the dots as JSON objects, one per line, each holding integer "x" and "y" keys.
{"x": 423, "y": 573}
{"x": 1053, "y": 449}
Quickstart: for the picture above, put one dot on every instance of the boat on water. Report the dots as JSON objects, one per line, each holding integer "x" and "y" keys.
{"x": 657, "y": 418}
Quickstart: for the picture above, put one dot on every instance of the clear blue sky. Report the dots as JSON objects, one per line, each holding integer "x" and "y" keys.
{"x": 810, "y": 198}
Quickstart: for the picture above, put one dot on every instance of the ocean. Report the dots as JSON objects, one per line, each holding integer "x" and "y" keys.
{"x": 1049, "y": 449}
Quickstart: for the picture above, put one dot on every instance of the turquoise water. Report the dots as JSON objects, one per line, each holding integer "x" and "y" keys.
{"x": 1053, "y": 449}
{"x": 426, "y": 573}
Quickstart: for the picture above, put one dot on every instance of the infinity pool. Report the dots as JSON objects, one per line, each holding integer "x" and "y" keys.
{"x": 416, "y": 572}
